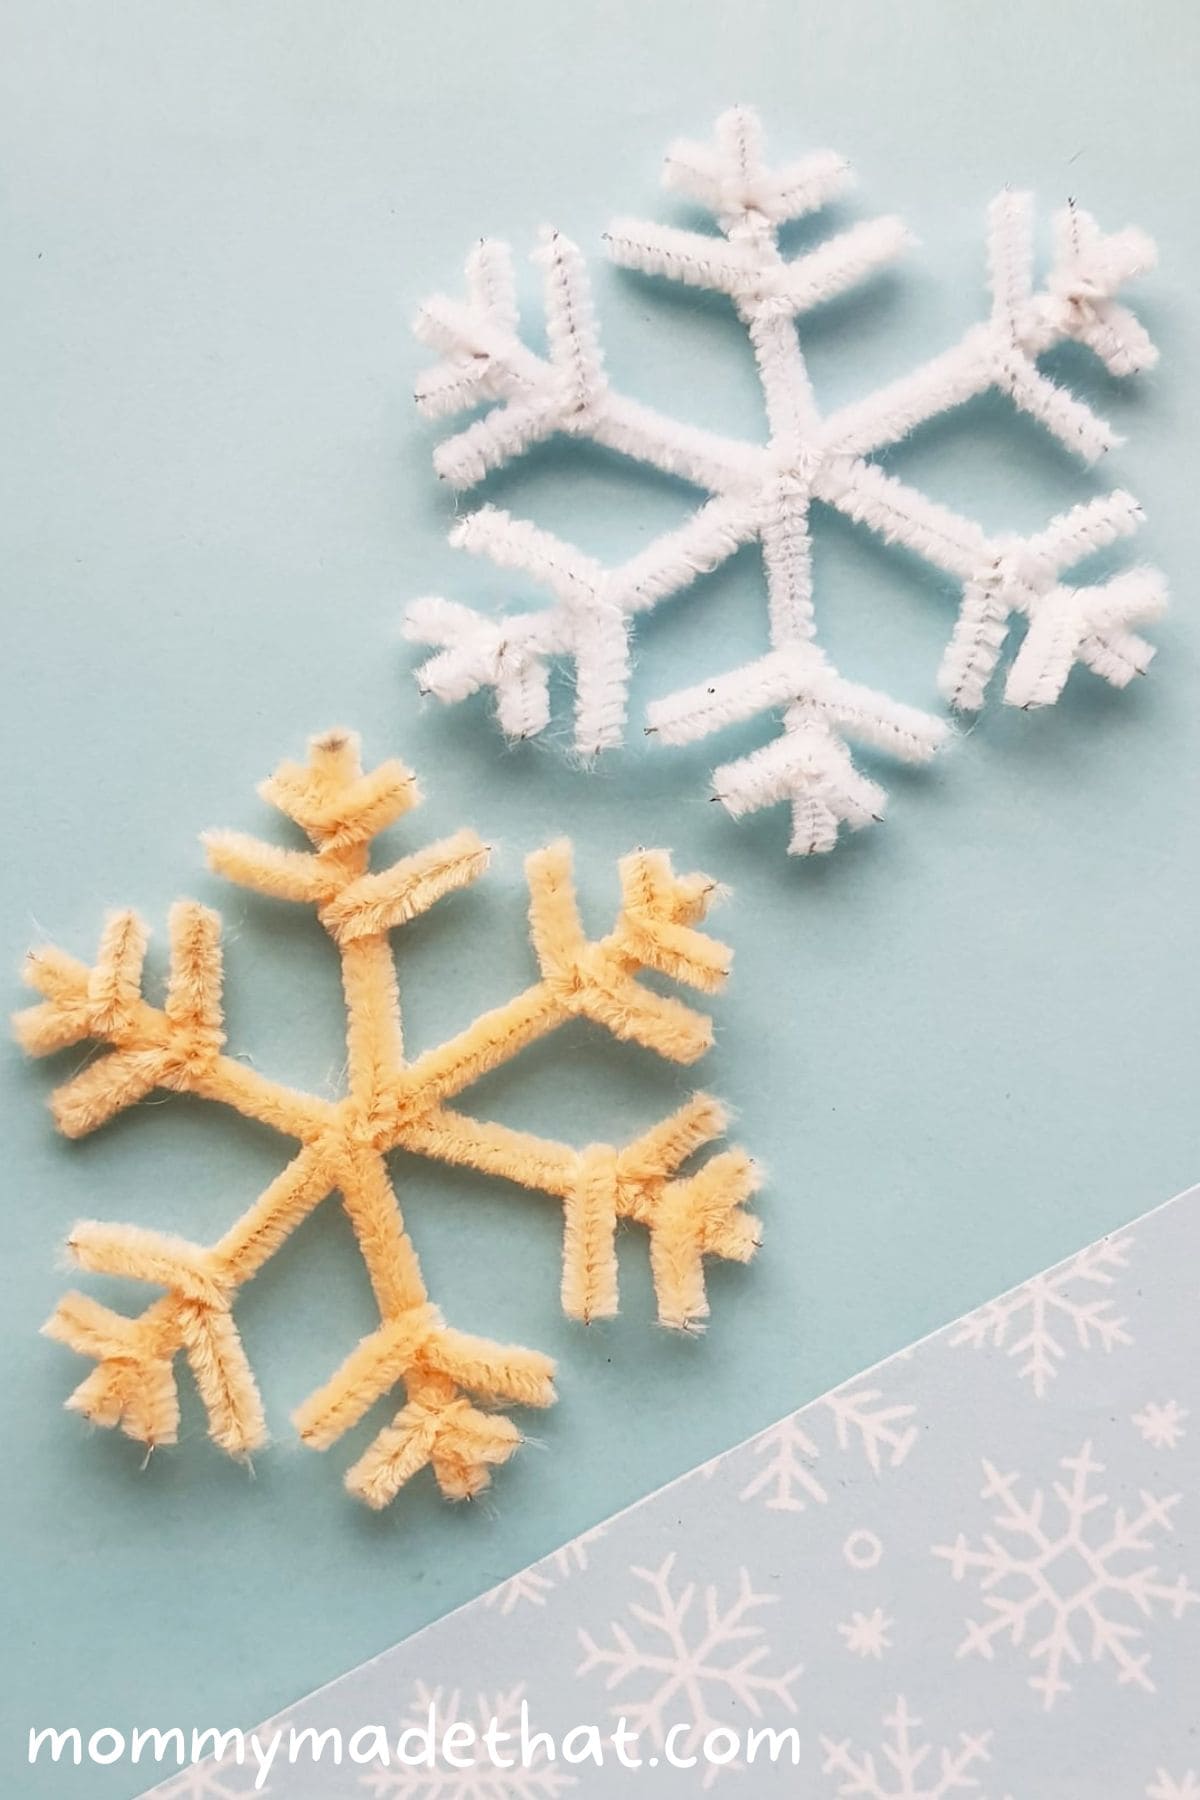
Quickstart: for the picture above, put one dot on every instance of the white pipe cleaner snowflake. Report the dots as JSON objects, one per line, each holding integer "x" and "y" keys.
{"x": 763, "y": 492}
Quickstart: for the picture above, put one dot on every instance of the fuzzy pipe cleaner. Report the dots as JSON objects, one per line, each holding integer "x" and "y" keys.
{"x": 763, "y": 493}
{"x": 390, "y": 1103}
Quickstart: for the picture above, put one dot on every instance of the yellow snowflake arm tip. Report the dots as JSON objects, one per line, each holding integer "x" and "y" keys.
{"x": 654, "y": 930}
{"x": 331, "y": 799}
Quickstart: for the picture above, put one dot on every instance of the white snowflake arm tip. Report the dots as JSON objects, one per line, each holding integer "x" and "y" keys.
{"x": 724, "y": 179}
{"x": 1089, "y": 269}
{"x": 809, "y": 764}
{"x": 475, "y": 652}
{"x": 1078, "y": 303}
{"x": 1088, "y": 625}
{"x": 1065, "y": 624}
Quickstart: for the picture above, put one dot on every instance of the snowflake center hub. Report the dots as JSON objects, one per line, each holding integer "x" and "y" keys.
{"x": 796, "y": 467}
{"x": 1016, "y": 566}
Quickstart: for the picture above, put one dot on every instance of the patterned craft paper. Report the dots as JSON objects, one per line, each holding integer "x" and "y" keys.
{"x": 974, "y": 1570}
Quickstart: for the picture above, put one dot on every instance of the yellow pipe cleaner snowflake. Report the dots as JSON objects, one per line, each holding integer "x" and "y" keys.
{"x": 390, "y": 1103}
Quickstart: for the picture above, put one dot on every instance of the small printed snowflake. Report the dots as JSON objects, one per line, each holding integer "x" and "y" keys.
{"x": 903, "y": 1770}
{"x": 1161, "y": 1424}
{"x": 764, "y": 493}
{"x": 787, "y": 1480}
{"x": 1091, "y": 1575}
{"x": 868, "y": 1634}
{"x": 1166, "y": 1787}
{"x": 692, "y": 1662}
{"x": 1030, "y": 1324}
{"x": 483, "y": 1779}
{"x": 530, "y": 1586}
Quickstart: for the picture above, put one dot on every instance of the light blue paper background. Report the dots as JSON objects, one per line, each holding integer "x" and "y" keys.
{"x": 963, "y": 1046}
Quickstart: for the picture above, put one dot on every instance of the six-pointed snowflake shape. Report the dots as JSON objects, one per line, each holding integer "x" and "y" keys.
{"x": 1082, "y": 1587}
{"x": 903, "y": 1770}
{"x": 1029, "y": 1323}
{"x": 484, "y": 1777}
{"x": 1162, "y": 1425}
{"x": 764, "y": 492}
{"x": 868, "y": 1634}
{"x": 689, "y": 1659}
{"x": 391, "y": 1102}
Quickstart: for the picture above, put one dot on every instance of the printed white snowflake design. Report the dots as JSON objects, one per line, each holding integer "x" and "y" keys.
{"x": 904, "y": 1760}
{"x": 531, "y": 1586}
{"x": 693, "y": 1665}
{"x": 763, "y": 492}
{"x": 1089, "y": 1576}
{"x": 868, "y": 1634}
{"x": 787, "y": 1479}
{"x": 1161, "y": 1425}
{"x": 484, "y": 1779}
{"x": 882, "y": 1432}
{"x": 1031, "y": 1323}
{"x": 1165, "y": 1787}
{"x": 226, "y": 1779}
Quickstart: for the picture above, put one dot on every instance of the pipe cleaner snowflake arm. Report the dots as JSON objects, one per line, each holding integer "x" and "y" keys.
{"x": 1077, "y": 302}
{"x": 765, "y": 492}
{"x": 389, "y": 1102}
{"x": 1065, "y": 624}
{"x": 588, "y": 623}
{"x": 809, "y": 764}
{"x": 483, "y": 358}
{"x": 688, "y": 1216}
{"x": 177, "y": 1046}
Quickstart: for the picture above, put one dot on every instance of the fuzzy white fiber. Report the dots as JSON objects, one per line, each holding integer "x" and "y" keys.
{"x": 763, "y": 492}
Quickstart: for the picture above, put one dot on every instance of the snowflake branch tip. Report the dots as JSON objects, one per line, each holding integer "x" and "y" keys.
{"x": 654, "y": 929}
{"x": 484, "y": 359}
{"x": 809, "y": 763}
{"x": 1077, "y": 303}
{"x": 1065, "y": 625}
{"x": 172, "y": 1048}
{"x": 729, "y": 178}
